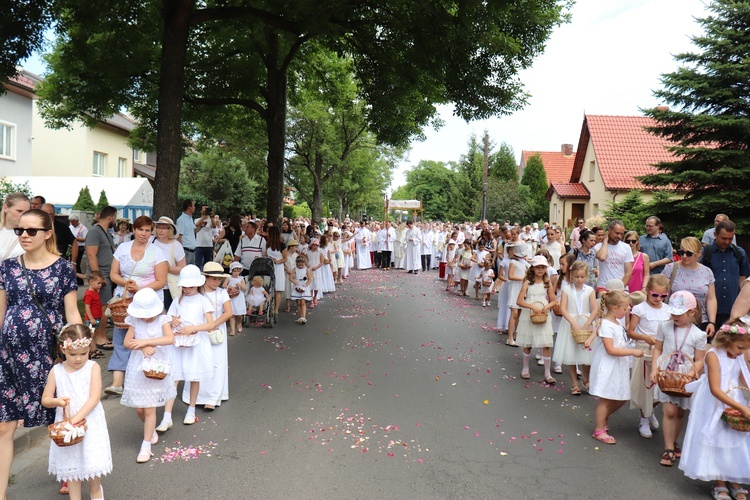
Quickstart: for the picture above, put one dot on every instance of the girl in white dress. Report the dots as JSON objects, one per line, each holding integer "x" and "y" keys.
{"x": 678, "y": 339}
{"x": 347, "y": 248}
{"x": 477, "y": 265}
{"x": 316, "y": 260}
{"x": 610, "y": 363}
{"x": 289, "y": 265}
{"x": 450, "y": 264}
{"x": 516, "y": 275}
{"x": 326, "y": 271}
{"x": 149, "y": 332}
{"x": 276, "y": 250}
{"x": 503, "y": 311}
{"x": 77, "y": 382}
{"x": 236, "y": 289}
{"x": 536, "y": 296}
{"x": 487, "y": 281}
{"x": 192, "y": 356}
{"x": 337, "y": 260}
{"x": 257, "y": 296}
{"x": 578, "y": 307}
{"x": 645, "y": 319}
{"x": 302, "y": 283}
{"x": 713, "y": 451}
{"x": 212, "y": 392}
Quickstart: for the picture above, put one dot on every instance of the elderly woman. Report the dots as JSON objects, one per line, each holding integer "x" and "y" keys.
{"x": 689, "y": 274}
{"x": 37, "y": 294}
{"x": 641, "y": 263}
{"x": 166, "y": 240}
{"x": 14, "y": 205}
{"x": 122, "y": 232}
{"x": 136, "y": 264}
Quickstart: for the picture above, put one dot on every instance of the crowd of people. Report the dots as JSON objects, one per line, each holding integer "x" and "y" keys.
{"x": 616, "y": 308}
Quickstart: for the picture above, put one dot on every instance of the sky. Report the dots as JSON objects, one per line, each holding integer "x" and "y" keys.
{"x": 607, "y": 61}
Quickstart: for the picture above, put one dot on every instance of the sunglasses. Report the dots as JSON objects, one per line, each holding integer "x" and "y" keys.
{"x": 659, "y": 295}
{"x": 630, "y": 242}
{"x": 682, "y": 252}
{"x": 31, "y": 231}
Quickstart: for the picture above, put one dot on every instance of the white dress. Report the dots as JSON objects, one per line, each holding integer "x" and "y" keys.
{"x": 514, "y": 287}
{"x": 610, "y": 375}
{"x": 690, "y": 339}
{"x": 92, "y": 457}
{"x": 279, "y": 274}
{"x": 289, "y": 265}
{"x": 649, "y": 319}
{"x": 503, "y": 311}
{"x": 216, "y": 390}
{"x": 464, "y": 259}
{"x": 300, "y": 276}
{"x": 529, "y": 334}
{"x": 256, "y": 297}
{"x": 192, "y": 364}
{"x": 477, "y": 267}
{"x": 711, "y": 449}
{"x": 329, "y": 285}
{"x": 238, "y": 302}
{"x": 314, "y": 258}
{"x": 567, "y": 350}
{"x": 140, "y": 391}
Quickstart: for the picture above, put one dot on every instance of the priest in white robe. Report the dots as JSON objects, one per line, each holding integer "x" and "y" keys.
{"x": 362, "y": 239}
{"x": 413, "y": 248}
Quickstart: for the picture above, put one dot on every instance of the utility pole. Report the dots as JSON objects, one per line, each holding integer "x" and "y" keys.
{"x": 485, "y": 186}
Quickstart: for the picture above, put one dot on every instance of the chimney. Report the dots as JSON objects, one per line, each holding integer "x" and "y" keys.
{"x": 567, "y": 149}
{"x": 662, "y": 108}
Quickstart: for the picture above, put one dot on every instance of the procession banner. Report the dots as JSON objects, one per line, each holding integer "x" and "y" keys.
{"x": 404, "y": 205}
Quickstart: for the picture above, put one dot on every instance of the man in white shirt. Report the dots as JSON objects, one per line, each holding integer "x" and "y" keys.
{"x": 362, "y": 239}
{"x": 413, "y": 248}
{"x": 251, "y": 247}
{"x": 389, "y": 239}
{"x": 79, "y": 232}
{"x": 427, "y": 241}
{"x": 186, "y": 230}
{"x": 615, "y": 257}
{"x": 204, "y": 238}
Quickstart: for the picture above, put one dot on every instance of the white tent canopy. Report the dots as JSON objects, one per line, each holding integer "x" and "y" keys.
{"x": 131, "y": 196}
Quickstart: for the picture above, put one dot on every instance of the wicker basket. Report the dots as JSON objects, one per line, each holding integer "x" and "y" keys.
{"x": 670, "y": 382}
{"x": 233, "y": 292}
{"x": 734, "y": 418}
{"x": 119, "y": 311}
{"x": 154, "y": 374}
{"x": 59, "y": 430}
{"x": 539, "y": 319}
{"x": 581, "y": 336}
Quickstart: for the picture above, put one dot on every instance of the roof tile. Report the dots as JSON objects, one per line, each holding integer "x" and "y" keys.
{"x": 557, "y": 166}
{"x": 571, "y": 190}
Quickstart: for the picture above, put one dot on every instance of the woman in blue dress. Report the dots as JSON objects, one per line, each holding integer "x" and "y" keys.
{"x": 27, "y": 336}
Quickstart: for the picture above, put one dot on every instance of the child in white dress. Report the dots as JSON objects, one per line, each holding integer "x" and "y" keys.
{"x": 450, "y": 263}
{"x": 302, "y": 282}
{"x": 257, "y": 297}
{"x": 516, "y": 276}
{"x": 503, "y": 311}
{"x": 645, "y": 319}
{"x": 713, "y": 451}
{"x": 236, "y": 289}
{"x": 77, "y": 382}
{"x": 327, "y": 272}
{"x": 149, "y": 332}
{"x": 487, "y": 281}
{"x": 610, "y": 363}
{"x": 192, "y": 356}
{"x": 677, "y": 339}
{"x": 536, "y": 296}
{"x": 289, "y": 265}
{"x": 316, "y": 260}
{"x": 212, "y": 392}
{"x": 578, "y": 307}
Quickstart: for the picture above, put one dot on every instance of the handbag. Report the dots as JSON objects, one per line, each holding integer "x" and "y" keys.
{"x": 216, "y": 337}
{"x": 224, "y": 251}
{"x": 53, "y": 348}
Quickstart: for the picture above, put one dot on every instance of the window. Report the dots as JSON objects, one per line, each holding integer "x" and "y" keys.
{"x": 122, "y": 164}
{"x": 596, "y": 209}
{"x": 592, "y": 170}
{"x": 139, "y": 156}
{"x": 7, "y": 140}
{"x": 100, "y": 164}
{"x": 554, "y": 211}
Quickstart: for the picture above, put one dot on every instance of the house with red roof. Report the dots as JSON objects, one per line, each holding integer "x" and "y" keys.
{"x": 557, "y": 164}
{"x": 16, "y": 112}
{"x": 612, "y": 152}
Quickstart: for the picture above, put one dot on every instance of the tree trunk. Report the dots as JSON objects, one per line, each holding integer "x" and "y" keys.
{"x": 341, "y": 207}
{"x": 276, "y": 129}
{"x": 317, "y": 201}
{"x": 176, "y": 15}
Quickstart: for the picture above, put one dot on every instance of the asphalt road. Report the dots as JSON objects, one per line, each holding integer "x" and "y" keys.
{"x": 393, "y": 389}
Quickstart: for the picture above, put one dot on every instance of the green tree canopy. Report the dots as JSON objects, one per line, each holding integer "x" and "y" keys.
{"x": 503, "y": 165}
{"x": 103, "y": 202}
{"x": 84, "y": 202}
{"x": 709, "y": 123}
{"x": 535, "y": 178}
{"x": 508, "y": 200}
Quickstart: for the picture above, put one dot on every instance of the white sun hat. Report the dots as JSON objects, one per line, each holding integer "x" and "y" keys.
{"x": 146, "y": 304}
{"x": 191, "y": 276}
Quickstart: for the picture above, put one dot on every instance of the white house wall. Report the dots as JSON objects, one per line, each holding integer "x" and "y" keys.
{"x": 16, "y": 111}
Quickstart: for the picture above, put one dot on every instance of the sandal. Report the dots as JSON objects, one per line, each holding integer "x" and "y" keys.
{"x": 667, "y": 458}
{"x": 677, "y": 451}
{"x": 107, "y": 346}
{"x": 602, "y": 436}
{"x": 64, "y": 488}
{"x": 511, "y": 343}
{"x": 209, "y": 407}
{"x": 550, "y": 380}
{"x": 525, "y": 375}
{"x": 720, "y": 493}
{"x": 96, "y": 354}
{"x": 738, "y": 493}
{"x": 575, "y": 390}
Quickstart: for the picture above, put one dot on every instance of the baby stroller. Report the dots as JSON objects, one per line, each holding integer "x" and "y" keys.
{"x": 264, "y": 266}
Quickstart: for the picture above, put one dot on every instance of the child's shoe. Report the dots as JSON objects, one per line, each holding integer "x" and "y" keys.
{"x": 645, "y": 429}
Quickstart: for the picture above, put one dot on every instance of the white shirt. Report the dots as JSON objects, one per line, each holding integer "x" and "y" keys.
{"x": 614, "y": 267}
{"x": 205, "y": 235}
{"x": 79, "y": 231}
{"x": 9, "y": 245}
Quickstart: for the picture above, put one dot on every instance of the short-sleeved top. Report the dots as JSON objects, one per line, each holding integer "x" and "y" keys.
{"x": 614, "y": 266}
{"x": 657, "y": 248}
{"x": 614, "y": 331}
{"x": 696, "y": 339}
{"x": 79, "y": 231}
{"x": 695, "y": 281}
{"x": 250, "y": 249}
{"x": 91, "y": 298}
{"x": 186, "y": 228}
{"x": 649, "y": 318}
{"x": 205, "y": 235}
{"x": 9, "y": 245}
{"x": 142, "y": 272}
{"x": 727, "y": 271}
{"x": 98, "y": 237}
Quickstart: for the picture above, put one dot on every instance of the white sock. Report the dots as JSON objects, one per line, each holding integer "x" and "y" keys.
{"x": 167, "y": 416}
{"x": 644, "y": 420}
{"x": 191, "y": 411}
{"x": 526, "y": 362}
{"x": 547, "y": 362}
{"x": 146, "y": 447}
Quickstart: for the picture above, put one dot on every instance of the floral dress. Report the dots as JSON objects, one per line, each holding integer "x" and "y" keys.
{"x": 25, "y": 359}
